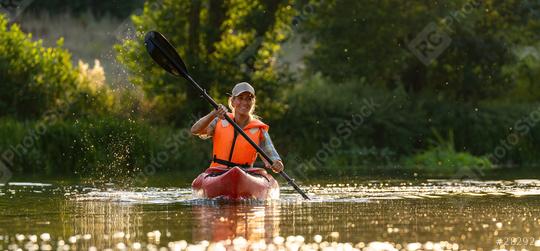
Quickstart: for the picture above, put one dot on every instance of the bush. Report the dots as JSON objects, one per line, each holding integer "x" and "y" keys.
{"x": 442, "y": 159}
{"x": 106, "y": 149}
{"x": 33, "y": 79}
{"x": 91, "y": 97}
{"x": 358, "y": 114}
{"x": 399, "y": 127}
{"x": 444, "y": 162}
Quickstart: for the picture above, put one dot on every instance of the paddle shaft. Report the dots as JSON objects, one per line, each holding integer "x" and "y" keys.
{"x": 166, "y": 50}
{"x": 239, "y": 130}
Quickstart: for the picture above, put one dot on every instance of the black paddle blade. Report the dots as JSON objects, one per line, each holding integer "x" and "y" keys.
{"x": 164, "y": 54}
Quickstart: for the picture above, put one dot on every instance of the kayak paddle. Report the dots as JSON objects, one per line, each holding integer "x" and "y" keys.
{"x": 167, "y": 57}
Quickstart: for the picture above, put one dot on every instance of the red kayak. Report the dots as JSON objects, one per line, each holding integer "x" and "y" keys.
{"x": 235, "y": 184}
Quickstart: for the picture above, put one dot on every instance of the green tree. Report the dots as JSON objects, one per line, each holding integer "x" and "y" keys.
{"x": 222, "y": 42}
{"x": 33, "y": 79}
{"x": 370, "y": 39}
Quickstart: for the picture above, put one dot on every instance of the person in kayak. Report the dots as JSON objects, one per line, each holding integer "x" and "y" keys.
{"x": 229, "y": 148}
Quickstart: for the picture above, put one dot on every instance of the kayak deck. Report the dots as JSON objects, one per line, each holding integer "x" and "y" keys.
{"x": 235, "y": 184}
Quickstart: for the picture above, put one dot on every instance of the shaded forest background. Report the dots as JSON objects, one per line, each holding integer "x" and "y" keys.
{"x": 338, "y": 81}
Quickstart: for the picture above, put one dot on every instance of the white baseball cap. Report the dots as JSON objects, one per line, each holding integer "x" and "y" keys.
{"x": 242, "y": 87}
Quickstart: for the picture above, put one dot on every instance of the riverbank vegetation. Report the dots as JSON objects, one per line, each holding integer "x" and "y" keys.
{"x": 359, "y": 100}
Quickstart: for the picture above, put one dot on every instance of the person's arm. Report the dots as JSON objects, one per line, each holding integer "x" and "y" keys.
{"x": 201, "y": 126}
{"x": 268, "y": 147}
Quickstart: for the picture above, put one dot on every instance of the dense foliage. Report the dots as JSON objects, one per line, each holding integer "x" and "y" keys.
{"x": 222, "y": 42}
{"x": 373, "y": 39}
{"x": 107, "y": 149}
{"x": 33, "y": 79}
{"x": 366, "y": 101}
{"x": 376, "y": 127}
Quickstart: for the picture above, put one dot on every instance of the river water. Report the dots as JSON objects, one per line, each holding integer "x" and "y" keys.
{"x": 366, "y": 215}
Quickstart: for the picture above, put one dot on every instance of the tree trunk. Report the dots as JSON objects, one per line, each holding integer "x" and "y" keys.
{"x": 266, "y": 24}
{"x": 192, "y": 51}
{"x": 216, "y": 16}
{"x": 194, "y": 26}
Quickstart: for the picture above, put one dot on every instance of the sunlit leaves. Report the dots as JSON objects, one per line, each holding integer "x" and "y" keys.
{"x": 241, "y": 47}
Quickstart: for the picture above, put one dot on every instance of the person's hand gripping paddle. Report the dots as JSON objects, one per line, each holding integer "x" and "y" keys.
{"x": 166, "y": 56}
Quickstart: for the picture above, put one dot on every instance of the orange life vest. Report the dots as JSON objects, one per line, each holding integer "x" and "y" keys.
{"x": 242, "y": 152}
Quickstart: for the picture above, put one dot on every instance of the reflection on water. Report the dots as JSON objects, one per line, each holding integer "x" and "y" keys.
{"x": 107, "y": 223}
{"x": 371, "y": 215}
{"x": 229, "y": 221}
{"x": 101, "y": 222}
